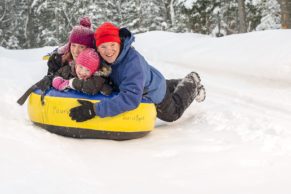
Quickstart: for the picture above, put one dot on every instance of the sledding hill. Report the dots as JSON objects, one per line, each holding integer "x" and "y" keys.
{"x": 237, "y": 141}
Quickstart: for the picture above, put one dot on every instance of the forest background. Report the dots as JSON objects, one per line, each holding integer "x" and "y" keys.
{"x": 38, "y": 23}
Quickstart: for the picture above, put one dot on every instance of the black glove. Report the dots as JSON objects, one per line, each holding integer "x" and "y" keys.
{"x": 83, "y": 112}
{"x": 65, "y": 72}
{"x": 54, "y": 63}
{"x": 91, "y": 86}
{"x": 44, "y": 85}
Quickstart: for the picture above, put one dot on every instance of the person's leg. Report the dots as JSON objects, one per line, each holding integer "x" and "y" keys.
{"x": 180, "y": 94}
{"x": 167, "y": 110}
{"x": 172, "y": 84}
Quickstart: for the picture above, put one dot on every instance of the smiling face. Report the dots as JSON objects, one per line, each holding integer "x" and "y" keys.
{"x": 109, "y": 51}
{"x": 76, "y": 49}
{"x": 82, "y": 72}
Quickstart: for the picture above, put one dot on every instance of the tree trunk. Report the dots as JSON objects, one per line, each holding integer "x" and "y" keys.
{"x": 170, "y": 12}
{"x": 285, "y": 13}
{"x": 57, "y": 15}
{"x": 242, "y": 16}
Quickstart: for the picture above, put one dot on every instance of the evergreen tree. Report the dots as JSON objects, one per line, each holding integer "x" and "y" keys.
{"x": 176, "y": 17}
{"x": 7, "y": 25}
{"x": 270, "y": 15}
{"x": 153, "y": 15}
{"x": 131, "y": 15}
{"x": 200, "y": 13}
{"x": 38, "y": 23}
{"x": 254, "y": 14}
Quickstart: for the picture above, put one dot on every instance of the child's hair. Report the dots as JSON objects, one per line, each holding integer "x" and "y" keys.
{"x": 89, "y": 58}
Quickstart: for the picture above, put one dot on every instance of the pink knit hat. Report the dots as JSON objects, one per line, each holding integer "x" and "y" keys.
{"x": 89, "y": 58}
{"x": 80, "y": 34}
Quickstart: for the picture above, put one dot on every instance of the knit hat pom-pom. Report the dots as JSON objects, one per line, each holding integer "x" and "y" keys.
{"x": 85, "y": 21}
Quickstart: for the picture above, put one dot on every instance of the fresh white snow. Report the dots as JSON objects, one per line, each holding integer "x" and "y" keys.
{"x": 237, "y": 141}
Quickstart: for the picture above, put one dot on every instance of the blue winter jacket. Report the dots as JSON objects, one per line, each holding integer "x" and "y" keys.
{"x": 135, "y": 78}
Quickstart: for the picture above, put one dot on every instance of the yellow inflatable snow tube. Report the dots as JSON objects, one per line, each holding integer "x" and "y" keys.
{"x": 54, "y": 117}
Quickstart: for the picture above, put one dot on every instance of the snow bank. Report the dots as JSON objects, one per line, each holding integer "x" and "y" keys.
{"x": 237, "y": 141}
{"x": 264, "y": 54}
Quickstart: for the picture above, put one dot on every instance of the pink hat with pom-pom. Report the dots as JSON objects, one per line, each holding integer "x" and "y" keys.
{"x": 80, "y": 34}
{"x": 89, "y": 58}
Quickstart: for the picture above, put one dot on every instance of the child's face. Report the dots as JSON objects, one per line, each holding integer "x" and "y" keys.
{"x": 76, "y": 49}
{"x": 109, "y": 51}
{"x": 82, "y": 72}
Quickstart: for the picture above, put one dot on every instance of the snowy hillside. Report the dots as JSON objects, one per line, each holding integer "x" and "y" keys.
{"x": 237, "y": 141}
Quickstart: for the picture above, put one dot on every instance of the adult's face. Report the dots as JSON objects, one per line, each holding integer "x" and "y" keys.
{"x": 109, "y": 51}
{"x": 76, "y": 49}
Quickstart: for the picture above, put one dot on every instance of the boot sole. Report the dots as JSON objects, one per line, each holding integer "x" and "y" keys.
{"x": 201, "y": 94}
{"x": 195, "y": 77}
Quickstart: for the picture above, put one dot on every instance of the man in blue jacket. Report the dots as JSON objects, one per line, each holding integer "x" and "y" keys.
{"x": 136, "y": 79}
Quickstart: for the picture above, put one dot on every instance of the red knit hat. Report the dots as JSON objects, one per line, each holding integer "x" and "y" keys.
{"x": 89, "y": 58}
{"x": 80, "y": 34}
{"x": 107, "y": 32}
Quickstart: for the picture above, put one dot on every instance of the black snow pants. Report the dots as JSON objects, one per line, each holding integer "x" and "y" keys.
{"x": 177, "y": 99}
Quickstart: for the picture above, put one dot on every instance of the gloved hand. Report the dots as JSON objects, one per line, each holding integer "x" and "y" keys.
{"x": 60, "y": 84}
{"x": 54, "y": 63}
{"x": 83, "y": 112}
{"x": 91, "y": 86}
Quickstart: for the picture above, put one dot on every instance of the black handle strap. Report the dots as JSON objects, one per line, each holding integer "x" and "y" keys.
{"x": 24, "y": 97}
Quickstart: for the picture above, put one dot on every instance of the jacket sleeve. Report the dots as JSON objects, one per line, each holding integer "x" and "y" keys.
{"x": 91, "y": 86}
{"x": 130, "y": 91}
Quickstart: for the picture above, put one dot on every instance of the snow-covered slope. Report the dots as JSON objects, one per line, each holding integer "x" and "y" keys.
{"x": 237, "y": 141}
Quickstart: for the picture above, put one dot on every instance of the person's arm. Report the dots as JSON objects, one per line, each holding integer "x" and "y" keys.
{"x": 131, "y": 81}
{"x": 61, "y": 78}
{"x": 90, "y": 86}
{"x": 130, "y": 92}
{"x": 128, "y": 98}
